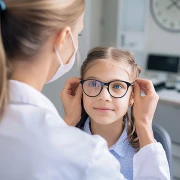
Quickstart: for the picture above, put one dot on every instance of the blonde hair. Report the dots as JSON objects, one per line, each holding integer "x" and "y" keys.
{"x": 25, "y": 26}
{"x": 119, "y": 56}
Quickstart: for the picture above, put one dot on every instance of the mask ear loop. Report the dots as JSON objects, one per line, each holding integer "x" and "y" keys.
{"x": 57, "y": 53}
{"x": 73, "y": 41}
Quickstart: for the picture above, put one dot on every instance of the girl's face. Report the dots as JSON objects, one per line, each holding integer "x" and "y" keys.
{"x": 105, "y": 109}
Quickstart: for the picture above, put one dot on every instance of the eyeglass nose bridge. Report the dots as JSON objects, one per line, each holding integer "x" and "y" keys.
{"x": 102, "y": 86}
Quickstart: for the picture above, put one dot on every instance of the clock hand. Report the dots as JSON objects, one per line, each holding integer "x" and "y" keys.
{"x": 174, "y": 3}
{"x": 170, "y": 5}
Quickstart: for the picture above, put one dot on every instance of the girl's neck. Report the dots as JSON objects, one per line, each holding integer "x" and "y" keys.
{"x": 110, "y": 132}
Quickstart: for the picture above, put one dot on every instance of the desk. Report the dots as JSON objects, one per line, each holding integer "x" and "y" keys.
{"x": 168, "y": 113}
{"x": 169, "y": 96}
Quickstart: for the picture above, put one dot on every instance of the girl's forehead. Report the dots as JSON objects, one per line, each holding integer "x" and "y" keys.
{"x": 110, "y": 65}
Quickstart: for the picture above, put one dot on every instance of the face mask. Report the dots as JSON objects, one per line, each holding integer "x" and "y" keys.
{"x": 64, "y": 68}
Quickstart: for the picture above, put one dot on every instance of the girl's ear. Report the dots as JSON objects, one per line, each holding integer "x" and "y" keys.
{"x": 131, "y": 100}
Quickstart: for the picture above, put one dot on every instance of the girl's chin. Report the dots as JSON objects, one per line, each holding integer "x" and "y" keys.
{"x": 104, "y": 121}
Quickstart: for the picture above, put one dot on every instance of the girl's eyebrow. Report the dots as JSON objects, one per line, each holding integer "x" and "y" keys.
{"x": 92, "y": 77}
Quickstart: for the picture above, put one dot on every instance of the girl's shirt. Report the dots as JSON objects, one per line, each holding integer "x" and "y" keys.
{"x": 121, "y": 150}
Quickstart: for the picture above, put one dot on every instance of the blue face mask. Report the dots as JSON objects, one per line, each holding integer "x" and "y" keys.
{"x": 64, "y": 68}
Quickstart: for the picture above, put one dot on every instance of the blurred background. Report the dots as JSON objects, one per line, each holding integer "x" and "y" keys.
{"x": 151, "y": 30}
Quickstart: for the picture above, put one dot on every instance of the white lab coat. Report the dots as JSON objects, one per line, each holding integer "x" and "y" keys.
{"x": 36, "y": 144}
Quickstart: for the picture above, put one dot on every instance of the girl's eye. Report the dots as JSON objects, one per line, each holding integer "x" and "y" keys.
{"x": 93, "y": 84}
{"x": 117, "y": 86}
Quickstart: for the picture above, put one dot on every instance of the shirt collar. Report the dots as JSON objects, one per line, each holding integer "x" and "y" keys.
{"x": 20, "y": 92}
{"x": 120, "y": 147}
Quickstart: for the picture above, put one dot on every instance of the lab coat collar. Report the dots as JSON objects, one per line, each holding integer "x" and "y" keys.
{"x": 20, "y": 92}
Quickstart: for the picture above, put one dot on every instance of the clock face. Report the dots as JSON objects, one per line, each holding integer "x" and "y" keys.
{"x": 166, "y": 14}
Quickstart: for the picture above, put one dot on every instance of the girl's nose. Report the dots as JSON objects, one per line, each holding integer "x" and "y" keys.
{"x": 104, "y": 95}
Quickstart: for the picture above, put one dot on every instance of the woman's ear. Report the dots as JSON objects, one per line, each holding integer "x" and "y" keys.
{"x": 61, "y": 37}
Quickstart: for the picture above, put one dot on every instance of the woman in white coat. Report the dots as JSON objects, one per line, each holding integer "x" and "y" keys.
{"x": 38, "y": 43}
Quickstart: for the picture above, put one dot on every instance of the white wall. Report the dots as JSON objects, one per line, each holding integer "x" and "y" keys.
{"x": 161, "y": 41}
{"x": 109, "y": 23}
{"x": 96, "y": 22}
{"x": 110, "y": 28}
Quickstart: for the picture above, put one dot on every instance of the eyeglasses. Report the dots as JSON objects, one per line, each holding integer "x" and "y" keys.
{"x": 116, "y": 88}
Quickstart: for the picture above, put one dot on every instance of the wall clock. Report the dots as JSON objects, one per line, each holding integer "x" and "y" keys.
{"x": 166, "y": 14}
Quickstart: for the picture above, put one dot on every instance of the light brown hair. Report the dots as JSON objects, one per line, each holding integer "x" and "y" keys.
{"x": 25, "y": 26}
{"x": 118, "y": 56}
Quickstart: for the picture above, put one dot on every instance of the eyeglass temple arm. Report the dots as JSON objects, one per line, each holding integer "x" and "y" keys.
{"x": 132, "y": 84}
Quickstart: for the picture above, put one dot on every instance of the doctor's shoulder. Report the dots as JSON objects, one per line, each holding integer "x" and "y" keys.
{"x": 55, "y": 150}
{"x": 46, "y": 148}
{"x": 85, "y": 155}
{"x": 78, "y": 155}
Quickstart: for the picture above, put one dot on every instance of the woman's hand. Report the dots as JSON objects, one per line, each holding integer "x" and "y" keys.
{"x": 71, "y": 100}
{"x": 144, "y": 109}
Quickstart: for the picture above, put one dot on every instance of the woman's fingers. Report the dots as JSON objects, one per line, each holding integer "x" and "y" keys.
{"x": 146, "y": 86}
{"x": 137, "y": 91}
{"x": 144, "y": 106}
{"x": 70, "y": 86}
{"x": 71, "y": 99}
{"x": 78, "y": 93}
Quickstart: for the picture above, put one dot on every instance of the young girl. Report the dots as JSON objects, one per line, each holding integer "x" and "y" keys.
{"x": 107, "y": 76}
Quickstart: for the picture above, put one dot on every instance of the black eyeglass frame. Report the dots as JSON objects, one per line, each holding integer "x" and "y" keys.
{"x": 106, "y": 84}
